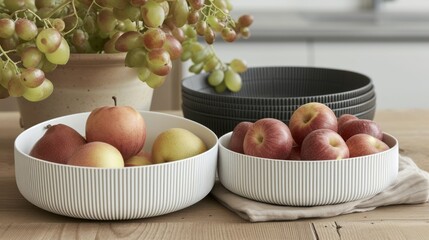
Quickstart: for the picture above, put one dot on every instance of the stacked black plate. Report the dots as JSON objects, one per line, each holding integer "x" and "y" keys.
{"x": 276, "y": 92}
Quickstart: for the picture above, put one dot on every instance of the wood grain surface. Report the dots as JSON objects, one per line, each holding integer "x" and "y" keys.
{"x": 207, "y": 219}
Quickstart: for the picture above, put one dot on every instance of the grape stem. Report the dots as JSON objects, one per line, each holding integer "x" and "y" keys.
{"x": 213, "y": 9}
{"x": 4, "y": 53}
{"x": 224, "y": 66}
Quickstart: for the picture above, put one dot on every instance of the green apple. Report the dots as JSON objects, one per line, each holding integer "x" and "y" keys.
{"x": 97, "y": 154}
{"x": 175, "y": 144}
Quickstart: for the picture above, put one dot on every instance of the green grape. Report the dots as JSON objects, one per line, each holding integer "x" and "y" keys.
{"x": 9, "y": 43}
{"x": 90, "y": 25}
{"x": 110, "y": 45}
{"x": 153, "y": 38}
{"x": 7, "y": 28}
{"x": 211, "y": 63}
{"x": 180, "y": 11}
{"x": 216, "y": 77}
{"x": 221, "y": 87}
{"x": 79, "y": 38}
{"x": 153, "y": 14}
{"x": 201, "y": 55}
{"x": 201, "y": 27}
{"x": 196, "y": 4}
{"x": 173, "y": 47}
{"x": 214, "y": 23}
{"x": 193, "y": 17}
{"x": 120, "y": 4}
{"x": 196, "y": 68}
{"x": 228, "y": 34}
{"x": 102, "y": 3}
{"x": 128, "y": 41}
{"x": 221, "y": 4}
{"x": 130, "y": 12}
{"x": 48, "y": 40}
{"x": 178, "y": 33}
{"x": 136, "y": 58}
{"x": 190, "y": 32}
{"x": 14, "y": 5}
{"x": 106, "y": 21}
{"x": 159, "y": 62}
{"x": 70, "y": 22}
{"x": 45, "y": 3}
{"x": 245, "y": 32}
{"x": 127, "y": 25}
{"x": 47, "y": 66}
{"x": 233, "y": 80}
{"x": 59, "y": 24}
{"x": 209, "y": 36}
{"x": 165, "y": 6}
{"x": 137, "y": 3}
{"x": 238, "y": 65}
{"x": 15, "y": 87}
{"x": 24, "y": 45}
{"x": 186, "y": 55}
{"x": 44, "y": 12}
{"x": 39, "y": 93}
{"x": 7, "y": 73}
{"x": 245, "y": 20}
{"x": 143, "y": 73}
{"x": 61, "y": 55}
{"x": 32, "y": 77}
{"x": 155, "y": 81}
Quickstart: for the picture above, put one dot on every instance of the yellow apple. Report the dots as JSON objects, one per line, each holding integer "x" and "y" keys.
{"x": 175, "y": 144}
{"x": 97, "y": 154}
{"x": 141, "y": 159}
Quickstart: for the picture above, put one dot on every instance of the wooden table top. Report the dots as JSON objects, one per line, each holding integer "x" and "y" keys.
{"x": 208, "y": 219}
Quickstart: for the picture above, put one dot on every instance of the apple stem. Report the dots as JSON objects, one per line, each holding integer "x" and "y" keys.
{"x": 114, "y": 100}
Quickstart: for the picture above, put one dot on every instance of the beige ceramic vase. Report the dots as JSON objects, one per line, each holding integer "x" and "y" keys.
{"x": 86, "y": 82}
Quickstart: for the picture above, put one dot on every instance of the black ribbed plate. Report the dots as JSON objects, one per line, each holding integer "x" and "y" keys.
{"x": 198, "y": 103}
{"x": 284, "y": 86}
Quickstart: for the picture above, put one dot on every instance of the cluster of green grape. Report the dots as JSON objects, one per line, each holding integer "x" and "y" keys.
{"x": 215, "y": 20}
{"x": 38, "y": 51}
{"x": 38, "y": 35}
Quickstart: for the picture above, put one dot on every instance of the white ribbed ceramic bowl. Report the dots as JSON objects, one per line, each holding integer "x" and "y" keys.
{"x": 307, "y": 183}
{"x": 114, "y": 194}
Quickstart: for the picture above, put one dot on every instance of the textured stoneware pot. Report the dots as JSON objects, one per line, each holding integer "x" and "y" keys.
{"x": 86, "y": 82}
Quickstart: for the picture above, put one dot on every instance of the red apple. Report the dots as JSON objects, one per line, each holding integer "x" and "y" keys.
{"x": 324, "y": 144}
{"x": 345, "y": 118}
{"x": 310, "y": 117}
{"x": 353, "y": 127}
{"x": 237, "y": 136}
{"x": 121, "y": 126}
{"x": 268, "y": 138}
{"x": 295, "y": 153}
{"x": 363, "y": 144}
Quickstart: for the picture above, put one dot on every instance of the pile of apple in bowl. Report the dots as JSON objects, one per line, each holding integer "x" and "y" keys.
{"x": 316, "y": 159}
{"x": 115, "y": 163}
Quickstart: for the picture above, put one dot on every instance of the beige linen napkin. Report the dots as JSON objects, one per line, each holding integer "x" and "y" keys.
{"x": 410, "y": 187}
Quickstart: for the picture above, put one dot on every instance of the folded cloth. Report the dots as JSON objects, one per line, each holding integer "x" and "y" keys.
{"x": 410, "y": 187}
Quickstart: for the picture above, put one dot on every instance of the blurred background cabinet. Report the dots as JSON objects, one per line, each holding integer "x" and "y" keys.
{"x": 388, "y": 40}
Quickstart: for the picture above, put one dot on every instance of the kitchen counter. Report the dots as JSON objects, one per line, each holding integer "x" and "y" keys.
{"x": 208, "y": 219}
{"x": 353, "y": 25}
